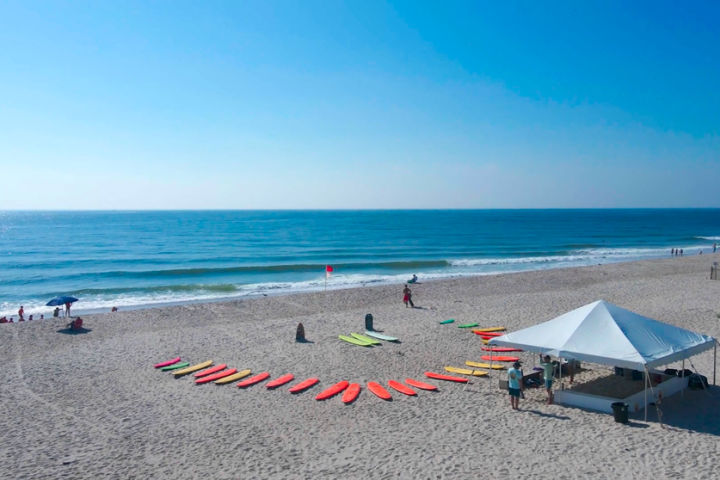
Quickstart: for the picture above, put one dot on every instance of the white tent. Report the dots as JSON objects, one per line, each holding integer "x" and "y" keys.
{"x": 606, "y": 334}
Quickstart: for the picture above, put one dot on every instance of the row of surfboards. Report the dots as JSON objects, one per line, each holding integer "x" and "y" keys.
{"x": 367, "y": 340}
{"x": 487, "y": 334}
{"x": 204, "y": 373}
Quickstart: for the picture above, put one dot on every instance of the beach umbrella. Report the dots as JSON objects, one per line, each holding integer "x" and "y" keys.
{"x": 61, "y": 301}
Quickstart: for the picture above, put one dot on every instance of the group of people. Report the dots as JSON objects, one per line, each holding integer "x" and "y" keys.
{"x": 676, "y": 251}
{"x": 21, "y": 314}
{"x": 515, "y": 382}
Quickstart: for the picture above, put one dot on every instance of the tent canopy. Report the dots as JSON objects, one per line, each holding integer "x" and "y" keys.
{"x": 606, "y": 334}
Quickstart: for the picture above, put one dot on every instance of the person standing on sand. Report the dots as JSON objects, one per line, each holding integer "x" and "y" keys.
{"x": 67, "y": 309}
{"x": 21, "y": 314}
{"x": 407, "y": 297}
{"x": 681, "y": 252}
{"x": 548, "y": 371}
{"x": 515, "y": 385}
{"x": 714, "y": 247}
{"x": 672, "y": 252}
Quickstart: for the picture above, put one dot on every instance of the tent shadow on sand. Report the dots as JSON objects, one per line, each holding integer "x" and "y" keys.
{"x": 699, "y": 411}
{"x": 67, "y": 331}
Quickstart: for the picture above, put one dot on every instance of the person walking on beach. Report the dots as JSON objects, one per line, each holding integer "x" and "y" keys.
{"x": 672, "y": 252}
{"x": 407, "y": 297}
{"x": 548, "y": 371}
{"x": 21, "y": 314}
{"x": 515, "y": 385}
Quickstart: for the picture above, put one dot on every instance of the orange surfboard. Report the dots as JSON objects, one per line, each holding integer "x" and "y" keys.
{"x": 211, "y": 370}
{"x": 332, "y": 391}
{"x": 253, "y": 380}
{"x": 421, "y": 385}
{"x": 439, "y": 376}
{"x": 401, "y": 388}
{"x": 217, "y": 376}
{"x": 280, "y": 381}
{"x": 500, "y": 358}
{"x": 487, "y": 334}
{"x": 378, "y": 390}
{"x": 351, "y": 393}
{"x": 304, "y": 385}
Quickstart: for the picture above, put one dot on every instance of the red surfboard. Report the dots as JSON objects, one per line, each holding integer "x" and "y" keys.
{"x": 304, "y": 385}
{"x": 378, "y": 390}
{"x": 253, "y": 380}
{"x": 332, "y": 391}
{"x": 280, "y": 381}
{"x": 210, "y": 370}
{"x": 351, "y": 393}
{"x": 421, "y": 385}
{"x": 438, "y": 376}
{"x": 488, "y": 334}
{"x": 217, "y": 376}
{"x": 401, "y": 388}
{"x": 501, "y": 349}
{"x": 500, "y": 358}
{"x": 168, "y": 363}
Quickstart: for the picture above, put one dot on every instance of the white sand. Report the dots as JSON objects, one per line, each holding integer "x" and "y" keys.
{"x": 91, "y": 406}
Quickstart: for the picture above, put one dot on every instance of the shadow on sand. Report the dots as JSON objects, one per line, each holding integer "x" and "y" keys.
{"x": 699, "y": 411}
{"x": 80, "y": 331}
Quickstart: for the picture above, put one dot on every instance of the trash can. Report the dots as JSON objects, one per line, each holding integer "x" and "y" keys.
{"x": 620, "y": 412}
{"x": 369, "y": 322}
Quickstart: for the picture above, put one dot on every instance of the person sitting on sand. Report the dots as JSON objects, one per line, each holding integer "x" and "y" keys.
{"x": 548, "y": 371}
{"x": 114, "y": 309}
{"x": 515, "y": 385}
{"x": 413, "y": 279}
{"x": 29, "y": 318}
{"x": 3, "y": 320}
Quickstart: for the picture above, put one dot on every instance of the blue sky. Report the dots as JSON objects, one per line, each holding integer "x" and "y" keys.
{"x": 363, "y": 104}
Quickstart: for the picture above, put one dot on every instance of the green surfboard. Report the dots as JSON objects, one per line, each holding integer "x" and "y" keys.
{"x": 363, "y": 338}
{"x": 176, "y": 366}
{"x": 387, "y": 338}
{"x": 445, "y": 322}
{"x": 354, "y": 341}
{"x": 468, "y": 325}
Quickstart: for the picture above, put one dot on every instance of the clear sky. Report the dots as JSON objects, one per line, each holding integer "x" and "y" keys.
{"x": 361, "y": 104}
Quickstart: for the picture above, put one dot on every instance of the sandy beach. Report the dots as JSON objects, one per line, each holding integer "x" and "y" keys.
{"x": 89, "y": 406}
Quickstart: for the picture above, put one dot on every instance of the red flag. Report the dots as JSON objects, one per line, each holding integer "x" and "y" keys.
{"x": 328, "y": 271}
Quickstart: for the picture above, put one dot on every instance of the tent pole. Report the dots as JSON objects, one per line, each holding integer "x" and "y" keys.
{"x": 560, "y": 378}
{"x": 682, "y": 390}
{"x": 714, "y": 362}
{"x": 646, "y": 387}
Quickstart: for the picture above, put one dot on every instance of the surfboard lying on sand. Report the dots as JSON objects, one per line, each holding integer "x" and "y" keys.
{"x": 491, "y": 329}
{"x": 466, "y": 371}
{"x": 332, "y": 391}
{"x": 438, "y": 376}
{"x": 501, "y": 349}
{"x": 387, "y": 338}
{"x": 194, "y": 368}
{"x": 378, "y": 390}
{"x": 468, "y": 325}
{"x": 354, "y": 341}
{"x": 420, "y": 385}
{"x": 499, "y": 358}
{"x": 210, "y": 371}
{"x": 169, "y": 362}
{"x": 401, "y": 388}
{"x": 488, "y": 334}
{"x": 365, "y": 339}
{"x": 304, "y": 385}
{"x": 445, "y": 322}
{"x": 280, "y": 381}
{"x": 484, "y": 365}
{"x": 233, "y": 377}
{"x": 175, "y": 367}
{"x": 217, "y": 376}
{"x": 253, "y": 380}
{"x": 351, "y": 393}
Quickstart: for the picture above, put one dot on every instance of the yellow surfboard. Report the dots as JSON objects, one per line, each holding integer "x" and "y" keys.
{"x": 485, "y": 342}
{"x": 495, "y": 366}
{"x": 366, "y": 339}
{"x": 466, "y": 371}
{"x": 490, "y": 329}
{"x": 194, "y": 368}
{"x": 232, "y": 378}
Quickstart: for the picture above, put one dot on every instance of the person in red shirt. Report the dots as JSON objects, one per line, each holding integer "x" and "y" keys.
{"x": 21, "y": 314}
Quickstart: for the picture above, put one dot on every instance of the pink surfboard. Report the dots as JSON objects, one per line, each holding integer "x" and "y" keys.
{"x": 168, "y": 363}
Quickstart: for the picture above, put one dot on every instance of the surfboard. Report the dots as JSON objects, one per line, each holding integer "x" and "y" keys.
{"x": 232, "y": 378}
{"x": 175, "y": 367}
{"x": 351, "y": 393}
{"x": 332, "y": 391}
{"x": 210, "y": 371}
{"x": 491, "y": 329}
{"x": 468, "y": 325}
{"x": 484, "y": 342}
{"x": 194, "y": 368}
{"x": 169, "y": 362}
{"x": 438, "y": 376}
{"x": 354, "y": 341}
{"x": 378, "y": 390}
{"x": 280, "y": 381}
{"x": 501, "y": 349}
{"x": 466, "y": 371}
{"x": 445, "y": 322}
{"x": 487, "y": 334}
{"x": 499, "y": 358}
{"x": 304, "y": 385}
{"x": 420, "y": 385}
{"x": 401, "y": 388}
{"x": 217, "y": 376}
{"x": 387, "y": 338}
{"x": 253, "y": 380}
{"x": 363, "y": 338}
{"x": 484, "y": 365}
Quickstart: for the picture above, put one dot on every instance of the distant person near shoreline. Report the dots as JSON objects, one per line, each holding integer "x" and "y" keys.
{"x": 21, "y": 314}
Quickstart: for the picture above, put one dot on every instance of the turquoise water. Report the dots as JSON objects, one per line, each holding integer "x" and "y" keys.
{"x": 131, "y": 259}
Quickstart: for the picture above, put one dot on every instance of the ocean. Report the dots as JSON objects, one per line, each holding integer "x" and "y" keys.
{"x": 137, "y": 259}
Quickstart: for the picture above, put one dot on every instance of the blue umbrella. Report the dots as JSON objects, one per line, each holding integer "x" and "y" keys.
{"x": 61, "y": 301}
